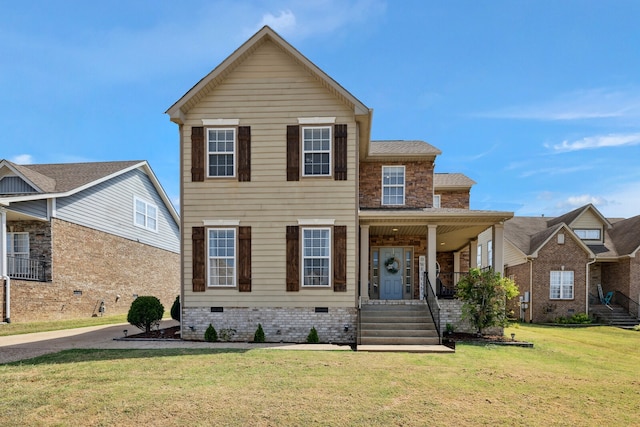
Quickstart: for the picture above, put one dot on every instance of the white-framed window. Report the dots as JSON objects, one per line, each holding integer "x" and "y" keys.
{"x": 145, "y": 214}
{"x": 436, "y": 200}
{"x": 490, "y": 253}
{"x": 393, "y": 185}
{"x": 18, "y": 244}
{"x": 316, "y": 150}
{"x": 316, "y": 257}
{"x": 222, "y": 256}
{"x": 588, "y": 234}
{"x": 561, "y": 285}
{"x": 479, "y": 257}
{"x": 221, "y": 149}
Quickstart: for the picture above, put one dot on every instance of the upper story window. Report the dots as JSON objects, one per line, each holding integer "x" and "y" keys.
{"x": 393, "y": 185}
{"x": 479, "y": 257}
{"x": 222, "y": 257}
{"x": 221, "y": 152}
{"x": 316, "y": 150}
{"x": 588, "y": 234}
{"x": 145, "y": 215}
{"x": 490, "y": 253}
{"x": 436, "y": 201}
{"x": 316, "y": 253}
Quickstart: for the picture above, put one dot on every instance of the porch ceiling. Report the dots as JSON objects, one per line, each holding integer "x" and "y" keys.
{"x": 455, "y": 227}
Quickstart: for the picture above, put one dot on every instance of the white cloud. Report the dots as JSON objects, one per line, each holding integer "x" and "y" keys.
{"x": 282, "y": 24}
{"x": 573, "y": 202}
{"x": 22, "y": 159}
{"x": 602, "y": 103}
{"x": 554, "y": 171}
{"x": 600, "y": 141}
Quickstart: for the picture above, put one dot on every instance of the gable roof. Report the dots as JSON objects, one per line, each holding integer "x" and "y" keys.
{"x": 452, "y": 181}
{"x": 570, "y": 217}
{"x": 362, "y": 113}
{"x": 65, "y": 179}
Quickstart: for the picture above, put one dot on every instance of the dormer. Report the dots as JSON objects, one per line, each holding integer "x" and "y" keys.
{"x": 451, "y": 190}
{"x": 586, "y": 222}
{"x": 17, "y": 179}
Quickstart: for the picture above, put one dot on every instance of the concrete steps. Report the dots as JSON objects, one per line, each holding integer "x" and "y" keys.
{"x": 613, "y": 315}
{"x": 397, "y": 324}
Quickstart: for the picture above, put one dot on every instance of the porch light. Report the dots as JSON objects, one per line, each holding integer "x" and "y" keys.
{"x": 395, "y": 230}
{"x": 513, "y": 337}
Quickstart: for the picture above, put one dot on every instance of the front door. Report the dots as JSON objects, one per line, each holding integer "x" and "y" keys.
{"x": 391, "y": 261}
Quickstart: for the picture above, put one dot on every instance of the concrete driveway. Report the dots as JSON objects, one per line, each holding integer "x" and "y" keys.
{"x": 27, "y": 346}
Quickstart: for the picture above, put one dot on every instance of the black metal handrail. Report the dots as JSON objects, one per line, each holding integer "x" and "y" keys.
{"x": 432, "y": 302}
{"x": 631, "y": 306}
{"x": 26, "y": 268}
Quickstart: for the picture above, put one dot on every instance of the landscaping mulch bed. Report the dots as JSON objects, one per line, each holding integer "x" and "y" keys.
{"x": 170, "y": 333}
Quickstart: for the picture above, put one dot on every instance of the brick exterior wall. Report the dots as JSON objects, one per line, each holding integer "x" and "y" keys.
{"x": 552, "y": 257}
{"x": 520, "y": 275}
{"x": 454, "y": 199}
{"x": 418, "y": 184}
{"x": 280, "y": 324}
{"x": 100, "y": 266}
{"x": 624, "y": 277}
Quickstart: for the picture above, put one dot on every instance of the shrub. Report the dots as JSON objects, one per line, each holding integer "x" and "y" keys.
{"x": 313, "y": 338}
{"x": 175, "y": 309}
{"x": 636, "y": 328}
{"x": 484, "y": 294}
{"x": 145, "y": 312}
{"x": 259, "y": 335}
{"x": 576, "y": 319}
{"x": 210, "y": 335}
{"x": 227, "y": 334}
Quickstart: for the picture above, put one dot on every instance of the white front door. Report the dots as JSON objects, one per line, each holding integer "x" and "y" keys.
{"x": 391, "y": 272}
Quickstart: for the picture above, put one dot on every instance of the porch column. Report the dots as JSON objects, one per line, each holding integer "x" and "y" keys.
{"x": 364, "y": 262}
{"x": 498, "y": 248}
{"x": 473, "y": 253}
{"x": 456, "y": 262}
{"x": 431, "y": 255}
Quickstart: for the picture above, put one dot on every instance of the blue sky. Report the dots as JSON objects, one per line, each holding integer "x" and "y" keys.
{"x": 537, "y": 101}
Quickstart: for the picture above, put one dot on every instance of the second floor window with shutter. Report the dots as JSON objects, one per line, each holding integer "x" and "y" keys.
{"x": 316, "y": 151}
{"x": 221, "y": 152}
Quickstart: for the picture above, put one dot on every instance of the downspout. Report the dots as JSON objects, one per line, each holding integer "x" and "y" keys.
{"x": 530, "y": 261}
{"x": 586, "y": 297}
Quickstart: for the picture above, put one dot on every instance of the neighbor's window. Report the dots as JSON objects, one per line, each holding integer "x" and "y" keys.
{"x": 146, "y": 215}
{"x": 316, "y": 253}
{"x": 316, "y": 150}
{"x": 479, "y": 257}
{"x": 222, "y": 257}
{"x": 393, "y": 185}
{"x": 561, "y": 285}
{"x": 221, "y": 152}
{"x": 588, "y": 234}
{"x": 18, "y": 251}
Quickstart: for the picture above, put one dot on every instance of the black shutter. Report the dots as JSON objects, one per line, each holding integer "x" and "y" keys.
{"x": 197, "y": 154}
{"x": 340, "y": 152}
{"x": 293, "y": 258}
{"x": 198, "y": 259}
{"x": 293, "y": 153}
{"x": 340, "y": 258}
{"x": 244, "y": 153}
{"x": 244, "y": 259}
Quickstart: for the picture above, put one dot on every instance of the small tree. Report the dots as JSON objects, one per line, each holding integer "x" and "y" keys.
{"x": 259, "y": 335}
{"x": 210, "y": 335}
{"x": 313, "y": 336}
{"x": 484, "y": 294}
{"x": 175, "y": 309}
{"x": 145, "y": 312}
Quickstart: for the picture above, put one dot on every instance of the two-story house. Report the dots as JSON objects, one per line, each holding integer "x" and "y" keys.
{"x": 84, "y": 239}
{"x": 293, "y": 218}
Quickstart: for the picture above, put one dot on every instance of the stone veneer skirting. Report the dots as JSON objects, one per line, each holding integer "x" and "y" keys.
{"x": 451, "y": 312}
{"x": 280, "y": 324}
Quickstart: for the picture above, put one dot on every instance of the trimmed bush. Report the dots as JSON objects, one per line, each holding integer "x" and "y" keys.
{"x": 259, "y": 335}
{"x": 145, "y": 312}
{"x": 175, "y": 309}
{"x": 210, "y": 335}
{"x": 313, "y": 338}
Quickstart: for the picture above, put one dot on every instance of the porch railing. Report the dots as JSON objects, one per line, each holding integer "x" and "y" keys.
{"x": 432, "y": 303}
{"x": 627, "y": 303}
{"x": 26, "y": 268}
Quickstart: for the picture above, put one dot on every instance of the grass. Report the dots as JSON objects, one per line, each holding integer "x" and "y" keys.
{"x": 586, "y": 376}
{"x": 56, "y": 325}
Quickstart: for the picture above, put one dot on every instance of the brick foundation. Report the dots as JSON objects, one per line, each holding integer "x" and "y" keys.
{"x": 280, "y": 324}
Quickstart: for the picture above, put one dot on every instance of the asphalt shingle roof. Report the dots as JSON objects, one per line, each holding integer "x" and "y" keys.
{"x": 400, "y": 148}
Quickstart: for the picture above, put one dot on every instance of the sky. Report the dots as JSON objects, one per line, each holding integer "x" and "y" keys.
{"x": 538, "y": 101}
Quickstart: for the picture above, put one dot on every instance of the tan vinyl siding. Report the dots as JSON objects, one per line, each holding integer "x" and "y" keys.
{"x": 267, "y": 92}
{"x": 589, "y": 221}
{"x": 513, "y": 256}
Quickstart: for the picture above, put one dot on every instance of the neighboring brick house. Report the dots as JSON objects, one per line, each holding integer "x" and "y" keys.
{"x": 558, "y": 263}
{"x": 84, "y": 239}
{"x": 293, "y": 218}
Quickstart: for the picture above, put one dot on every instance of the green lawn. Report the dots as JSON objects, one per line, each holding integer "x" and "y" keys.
{"x": 574, "y": 377}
